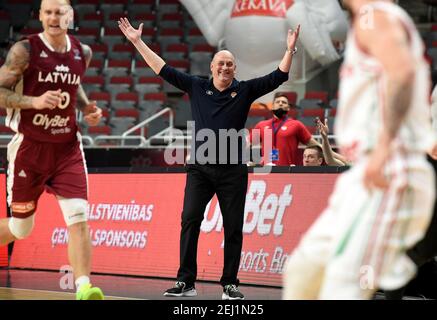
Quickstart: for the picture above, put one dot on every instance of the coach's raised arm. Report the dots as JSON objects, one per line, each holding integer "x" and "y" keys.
{"x": 134, "y": 35}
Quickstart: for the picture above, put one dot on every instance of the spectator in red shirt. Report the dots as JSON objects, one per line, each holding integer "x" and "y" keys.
{"x": 286, "y": 134}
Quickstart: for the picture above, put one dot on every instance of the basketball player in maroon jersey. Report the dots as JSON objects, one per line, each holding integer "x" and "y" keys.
{"x": 40, "y": 88}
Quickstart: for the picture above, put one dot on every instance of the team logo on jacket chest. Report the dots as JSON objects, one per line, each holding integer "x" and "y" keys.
{"x": 61, "y": 74}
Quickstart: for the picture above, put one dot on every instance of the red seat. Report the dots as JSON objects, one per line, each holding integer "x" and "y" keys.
{"x": 89, "y": 32}
{"x": 203, "y": 47}
{"x": 121, "y": 80}
{"x": 100, "y": 96}
{"x": 125, "y": 64}
{"x": 128, "y": 112}
{"x": 321, "y": 95}
{"x": 99, "y": 47}
{"x": 96, "y": 2}
{"x": 177, "y": 47}
{"x": 159, "y": 96}
{"x": 180, "y": 64}
{"x": 100, "y": 130}
{"x": 93, "y": 80}
{"x": 314, "y": 113}
{"x": 176, "y": 16}
{"x": 93, "y": 17}
{"x": 195, "y": 32}
{"x": 157, "y": 80}
{"x": 123, "y": 47}
{"x": 151, "y": 2}
{"x": 291, "y": 96}
{"x": 96, "y": 63}
{"x": 260, "y": 112}
{"x": 333, "y": 112}
{"x": 5, "y": 130}
{"x": 171, "y": 32}
{"x": 127, "y": 96}
{"x": 142, "y": 16}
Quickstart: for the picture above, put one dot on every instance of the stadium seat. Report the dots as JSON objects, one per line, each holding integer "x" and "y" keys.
{"x": 142, "y": 69}
{"x": 151, "y": 103}
{"x": 125, "y": 100}
{"x": 175, "y": 51}
{"x": 195, "y": 36}
{"x": 91, "y": 20}
{"x": 128, "y": 112}
{"x": 148, "y": 84}
{"x": 148, "y": 19}
{"x": 121, "y": 124}
{"x": 95, "y": 67}
{"x": 172, "y": 20}
{"x": 315, "y": 112}
{"x": 103, "y": 99}
{"x": 112, "y": 36}
{"x": 168, "y": 36}
{"x": 104, "y": 130}
{"x": 88, "y": 35}
{"x": 292, "y": 97}
{"x": 84, "y": 7}
{"x": 93, "y": 83}
{"x": 19, "y": 13}
{"x": 140, "y": 7}
{"x": 310, "y": 104}
{"x": 321, "y": 95}
{"x": 121, "y": 51}
{"x": 100, "y": 51}
{"x": 118, "y": 68}
{"x": 117, "y": 85}
{"x": 200, "y": 59}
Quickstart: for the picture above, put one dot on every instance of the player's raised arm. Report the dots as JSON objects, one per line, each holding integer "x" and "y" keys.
{"x": 134, "y": 35}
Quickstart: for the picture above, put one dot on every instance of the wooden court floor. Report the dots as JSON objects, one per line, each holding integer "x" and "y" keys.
{"x": 42, "y": 285}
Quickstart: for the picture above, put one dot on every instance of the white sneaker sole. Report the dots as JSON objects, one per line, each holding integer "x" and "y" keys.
{"x": 226, "y": 297}
{"x": 190, "y": 293}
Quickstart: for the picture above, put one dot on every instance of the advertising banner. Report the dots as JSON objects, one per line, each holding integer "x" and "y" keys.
{"x": 135, "y": 224}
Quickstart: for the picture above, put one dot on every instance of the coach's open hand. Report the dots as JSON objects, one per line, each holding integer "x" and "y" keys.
{"x": 132, "y": 34}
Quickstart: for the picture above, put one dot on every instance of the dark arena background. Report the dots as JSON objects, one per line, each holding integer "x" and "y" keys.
{"x": 136, "y": 196}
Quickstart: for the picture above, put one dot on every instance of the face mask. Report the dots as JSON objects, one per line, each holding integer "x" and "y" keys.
{"x": 280, "y": 113}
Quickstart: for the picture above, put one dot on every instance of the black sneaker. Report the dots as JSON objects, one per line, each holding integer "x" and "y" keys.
{"x": 181, "y": 290}
{"x": 231, "y": 292}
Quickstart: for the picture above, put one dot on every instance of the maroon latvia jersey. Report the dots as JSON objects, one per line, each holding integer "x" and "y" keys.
{"x": 50, "y": 70}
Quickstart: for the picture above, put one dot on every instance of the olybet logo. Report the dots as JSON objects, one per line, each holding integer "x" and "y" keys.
{"x": 262, "y": 212}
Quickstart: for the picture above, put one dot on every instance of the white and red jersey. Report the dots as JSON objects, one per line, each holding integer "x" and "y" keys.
{"x": 363, "y": 90}
{"x": 50, "y": 70}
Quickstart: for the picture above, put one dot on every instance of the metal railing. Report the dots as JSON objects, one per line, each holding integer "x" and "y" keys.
{"x": 142, "y": 124}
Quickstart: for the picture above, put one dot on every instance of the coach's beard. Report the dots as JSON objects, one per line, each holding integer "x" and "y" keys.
{"x": 279, "y": 113}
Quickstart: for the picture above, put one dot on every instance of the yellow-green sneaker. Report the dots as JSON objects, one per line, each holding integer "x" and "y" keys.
{"x": 86, "y": 292}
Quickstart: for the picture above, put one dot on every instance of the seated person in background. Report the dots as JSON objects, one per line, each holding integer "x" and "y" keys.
{"x": 331, "y": 158}
{"x": 313, "y": 156}
{"x": 286, "y": 134}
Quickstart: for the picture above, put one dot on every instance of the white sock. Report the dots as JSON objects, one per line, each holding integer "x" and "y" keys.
{"x": 81, "y": 281}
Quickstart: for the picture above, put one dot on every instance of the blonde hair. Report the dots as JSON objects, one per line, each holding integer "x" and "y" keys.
{"x": 66, "y": 2}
